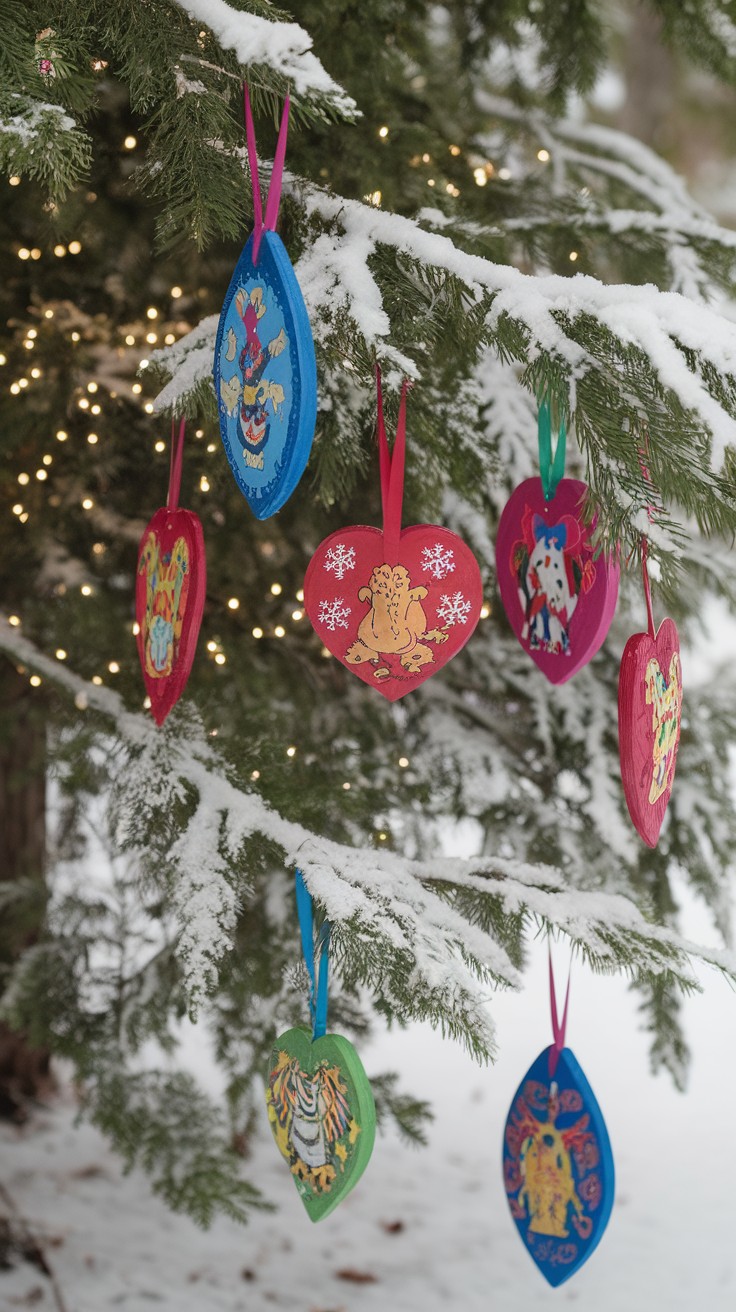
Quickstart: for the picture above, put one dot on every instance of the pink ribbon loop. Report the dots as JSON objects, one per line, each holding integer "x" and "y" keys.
{"x": 175, "y": 464}
{"x": 274, "y": 191}
{"x": 558, "y": 1027}
{"x": 391, "y": 466}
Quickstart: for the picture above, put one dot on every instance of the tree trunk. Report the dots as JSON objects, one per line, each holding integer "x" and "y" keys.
{"x": 24, "y": 1071}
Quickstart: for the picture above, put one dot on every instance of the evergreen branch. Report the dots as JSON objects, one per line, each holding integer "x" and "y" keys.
{"x": 447, "y": 925}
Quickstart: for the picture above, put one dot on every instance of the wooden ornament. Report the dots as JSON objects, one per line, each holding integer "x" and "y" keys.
{"x": 396, "y": 621}
{"x": 322, "y": 1114}
{"x": 649, "y": 717}
{"x": 559, "y": 598}
{"x": 265, "y": 371}
{"x": 393, "y": 606}
{"x": 171, "y": 582}
{"x": 558, "y": 1166}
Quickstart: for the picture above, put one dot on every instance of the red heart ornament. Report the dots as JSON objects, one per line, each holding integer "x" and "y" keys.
{"x": 649, "y": 715}
{"x": 394, "y": 622}
{"x": 559, "y": 599}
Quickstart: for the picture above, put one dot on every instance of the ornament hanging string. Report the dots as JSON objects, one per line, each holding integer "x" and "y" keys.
{"x": 391, "y": 465}
{"x": 645, "y": 550}
{"x": 175, "y": 464}
{"x": 558, "y": 1027}
{"x": 551, "y": 467}
{"x": 318, "y": 986}
{"x": 274, "y": 191}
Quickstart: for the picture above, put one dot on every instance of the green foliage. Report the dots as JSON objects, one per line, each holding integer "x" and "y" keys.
{"x": 170, "y": 893}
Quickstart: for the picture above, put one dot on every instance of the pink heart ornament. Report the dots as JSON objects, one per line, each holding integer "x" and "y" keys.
{"x": 649, "y": 718}
{"x": 394, "y": 624}
{"x": 559, "y": 598}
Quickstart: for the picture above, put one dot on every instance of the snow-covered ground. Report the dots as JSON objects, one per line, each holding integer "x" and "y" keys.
{"x": 425, "y": 1229}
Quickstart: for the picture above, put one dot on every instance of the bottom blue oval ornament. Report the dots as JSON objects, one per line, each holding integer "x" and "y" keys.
{"x": 558, "y": 1165}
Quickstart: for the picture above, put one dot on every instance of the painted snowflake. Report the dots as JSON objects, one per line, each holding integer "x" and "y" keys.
{"x": 340, "y": 559}
{"x": 453, "y": 609}
{"x": 438, "y": 560}
{"x": 334, "y": 615}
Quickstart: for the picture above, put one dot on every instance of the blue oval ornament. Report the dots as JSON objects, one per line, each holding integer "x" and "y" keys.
{"x": 265, "y": 377}
{"x": 558, "y": 1166}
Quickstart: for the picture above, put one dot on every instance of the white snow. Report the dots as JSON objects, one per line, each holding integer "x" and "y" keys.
{"x": 284, "y": 47}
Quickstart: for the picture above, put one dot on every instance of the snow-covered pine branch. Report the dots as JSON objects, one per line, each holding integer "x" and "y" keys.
{"x": 434, "y": 921}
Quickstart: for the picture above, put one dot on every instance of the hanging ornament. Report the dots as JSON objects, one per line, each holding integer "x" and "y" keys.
{"x": 559, "y": 597}
{"x": 319, "y": 1101}
{"x": 393, "y": 606}
{"x": 557, "y": 1161}
{"x": 169, "y": 594}
{"x": 649, "y": 717}
{"x": 265, "y": 371}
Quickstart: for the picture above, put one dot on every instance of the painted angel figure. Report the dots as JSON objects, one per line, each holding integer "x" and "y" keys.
{"x": 248, "y": 388}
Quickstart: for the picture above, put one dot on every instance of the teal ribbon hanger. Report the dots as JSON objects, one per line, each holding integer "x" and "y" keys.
{"x": 551, "y": 467}
{"x": 319, "y": 986}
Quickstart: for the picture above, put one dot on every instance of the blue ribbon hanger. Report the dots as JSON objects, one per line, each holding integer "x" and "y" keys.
{"x": 551, "y": 468}
{"x": 319, "y": 986}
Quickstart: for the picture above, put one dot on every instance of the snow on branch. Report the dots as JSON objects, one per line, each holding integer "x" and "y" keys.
{"x": 284, "y": 47}
{"x": 335, "y": 272}
{"x": 415, "y": 917}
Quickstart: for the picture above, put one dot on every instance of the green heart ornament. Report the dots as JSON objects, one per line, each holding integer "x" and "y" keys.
{"x": 322, "y": 1114}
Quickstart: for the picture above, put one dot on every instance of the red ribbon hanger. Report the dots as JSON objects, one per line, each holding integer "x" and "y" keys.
{"x": 274, "y": 191}
{"x": 558, "y": 1027}
{"x": 391, "y": 464}
{"x": 175, "y": 465}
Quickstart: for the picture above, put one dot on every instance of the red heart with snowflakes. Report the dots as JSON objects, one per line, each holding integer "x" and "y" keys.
{"x": 649, "y": 716}
{"x": 169, "y": 600}
{"x": 394, "y": 624}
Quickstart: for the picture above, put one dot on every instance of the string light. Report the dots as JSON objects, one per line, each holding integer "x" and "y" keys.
{"x": 22, "y": 382}
{"x": 255, "y": 774}
{"x": 176, "y": 292}
{"x": 211, "y": 447}
{"x": 3, "y": 359}
{"x": 204, "y": 484}
{"x": 481, "y": 177}
{"x": 485, "y": 611}
{"x": 83, "y": 403}
{"x": 35, "y": 373}
{"x": 346, "y": 786}
{"x": 573, "y": 256}
{"x": 32, "y": 333}
{"x": 24, "y": 517}
{"x": 87, "y": 503}
{"x": 257, "y": 633}
{"x": 504, "y": 174}
{"x": 300, "y": 595}
{"x": 135, "y": 629}
{"x": 159, "y": 446}
{"x": 61, "y": 436}
{"x": 220, "y": 658}
{"x": 113, "y": 667}
{"x": 14, "y": 388}
{"x": 35, "y": 680}
{"x": 97, "y": 680}
{"x": 382, "y": 837}
{"x": 374, "y": 198}
{"x": 137, "y": 388}
{"x": 276, "y": 589}
{"x": 452, "y": 190}
{"x": 291, "y": 751}
{"x": 455, "y": 150}
{"x": 17, "y": 508}
{"x": 80, "y": 701}
{"x": 297, "y": 615}
{"x": 35, "y": 253}
{"x": 99, "y": 548}
{"x": 48, "y": 314}
{"x": 60, "y": 654}
{"x": 151, "y": 338}
{"x": 47, "y": 460}
{"x": 430, "y": 182}
{"x": 143, "y": 364}
{"x": 14, "y": 620}
{"x": 60, "y": 250}
{"x": 41, "y": 475}
{"x": 403, "y": 762}
{"x": 148, "y": 407}
{"x": 211, "y": 646}
{"x": 383, "y": 132}
{"x": 14, "y": 181}
{"x": 29, "y": 345}
{"x": 233, "y": 603}
{"x": 93, "y": 439}
{"x": 130, "y": 340}
{"x": 426, "y": 159}
{"x": 24, "y": 253}
{"x": 75, "y": 247}
{"x": 152, "y": 312}
{"x": 280, "y": 631}
{"x": 543, "y": 156}
{"x": 130, "y": 143}
{"x": 169, "y": 339}
{"x": 75, "y": 337}
{"x": 23, "y": 479}
{"x": 92, "y": 387}
{"x": 86, "y": 590}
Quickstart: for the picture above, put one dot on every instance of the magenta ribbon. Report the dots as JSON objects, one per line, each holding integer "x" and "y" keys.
{"x": 391, "y": 464}
{"x": 274, "y": 191}
{"x": 558, "y": 1028}
{"x": 175, "y": 465}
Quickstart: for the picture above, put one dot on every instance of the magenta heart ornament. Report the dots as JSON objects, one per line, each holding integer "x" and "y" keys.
{"x": 558, "y": 596}
{"x": 649, "y": 718}
{"x": 394, "y": 624}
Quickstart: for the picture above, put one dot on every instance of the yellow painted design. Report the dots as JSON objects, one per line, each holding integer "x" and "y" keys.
{"x": 548, "y": 1185}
